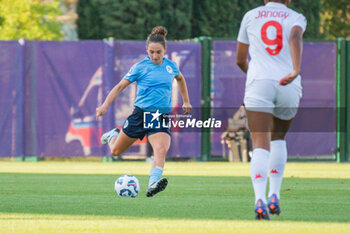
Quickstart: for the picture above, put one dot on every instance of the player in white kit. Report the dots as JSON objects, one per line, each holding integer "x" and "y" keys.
{"x": 272, "y": 36}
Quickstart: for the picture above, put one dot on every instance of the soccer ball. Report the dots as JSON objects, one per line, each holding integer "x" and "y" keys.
{"x": 127, "y": 186}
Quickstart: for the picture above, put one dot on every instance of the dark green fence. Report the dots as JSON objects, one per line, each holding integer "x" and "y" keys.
{"x": 343, "y": 103}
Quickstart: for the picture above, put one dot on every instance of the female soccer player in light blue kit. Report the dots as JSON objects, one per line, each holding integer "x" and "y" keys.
{"x": 154, "y": 76}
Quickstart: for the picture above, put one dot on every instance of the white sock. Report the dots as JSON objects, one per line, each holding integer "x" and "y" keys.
{"x": 278, "y": 159}
{"x": 258, "y": 171}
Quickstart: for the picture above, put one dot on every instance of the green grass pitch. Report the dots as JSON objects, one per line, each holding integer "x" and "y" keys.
{"x": 201, "y": 197}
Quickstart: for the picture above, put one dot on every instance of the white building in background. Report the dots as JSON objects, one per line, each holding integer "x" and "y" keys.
{"x": 69, "y": 18}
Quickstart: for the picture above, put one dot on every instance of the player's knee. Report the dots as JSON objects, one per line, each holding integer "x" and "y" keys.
{"x": 161, "y": 150}
{"x": 116, "y": 152}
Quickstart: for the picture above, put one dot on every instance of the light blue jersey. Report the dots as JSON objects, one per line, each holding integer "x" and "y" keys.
{"x": 154, "y": 84}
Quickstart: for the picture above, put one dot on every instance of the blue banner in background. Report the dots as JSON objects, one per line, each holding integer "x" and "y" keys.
{"x": 49, "y": 92}
{"x": 65, "y": 89}
{"x": 319, "y": 92}
{"x": 11, "y": 98}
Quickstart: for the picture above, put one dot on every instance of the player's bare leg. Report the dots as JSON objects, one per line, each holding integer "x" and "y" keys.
{"x": 160, "y": 143}
{"x": 120, "y": 144}
{"x": 277, "y": 162}
{"x": 260, "y": 125}
{"x": 280, "y": 128}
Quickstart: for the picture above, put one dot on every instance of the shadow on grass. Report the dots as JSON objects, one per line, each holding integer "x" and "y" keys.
{"x": 186, "y": 197}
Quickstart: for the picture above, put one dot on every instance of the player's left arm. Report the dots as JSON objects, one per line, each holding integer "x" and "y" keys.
{"x": 296, "y": 50}
{"x": 181, "y": 83}
{"x": 242, "y": 56}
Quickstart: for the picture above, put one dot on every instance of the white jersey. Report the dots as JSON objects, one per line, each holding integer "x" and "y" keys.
{"x": 266, "y": 29}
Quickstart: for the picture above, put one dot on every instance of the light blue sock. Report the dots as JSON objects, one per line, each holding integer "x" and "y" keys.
{"x": 155, "y": 175}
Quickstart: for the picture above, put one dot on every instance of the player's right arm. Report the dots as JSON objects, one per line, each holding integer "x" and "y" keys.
{"x": 296, "y": 49}
{"x": 243, "y": 45}
{"x": 113, "y": 94}
{"x": 242, "y": 56}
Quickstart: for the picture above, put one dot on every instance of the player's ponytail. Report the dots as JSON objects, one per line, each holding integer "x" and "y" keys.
{"x": 158, "y": 35}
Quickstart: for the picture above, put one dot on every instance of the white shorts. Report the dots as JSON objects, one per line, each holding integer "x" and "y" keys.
{"x": 264, "y": 95}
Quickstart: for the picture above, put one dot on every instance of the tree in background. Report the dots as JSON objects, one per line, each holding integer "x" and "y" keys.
{"x": 222, "y": 18}
{"x": 311, "y": 9}
{"x": 219, "y": 18}
{"x": 177, "y": 18}
{"x": 89, "y": 21}
{"x": 125, "y": 19}
{"x": 134, "y": 19}
{"x": 335, "y": 19}
{"x": 30, "y": 19}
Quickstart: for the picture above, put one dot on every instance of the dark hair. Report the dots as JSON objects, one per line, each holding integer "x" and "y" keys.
{"x": 282, "y": 1}
{"x": 157, "y": 35}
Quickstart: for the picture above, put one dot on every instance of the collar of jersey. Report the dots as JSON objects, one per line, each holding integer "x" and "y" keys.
{"x": 149, "y": 60}
{"x": 276, "y": 4}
